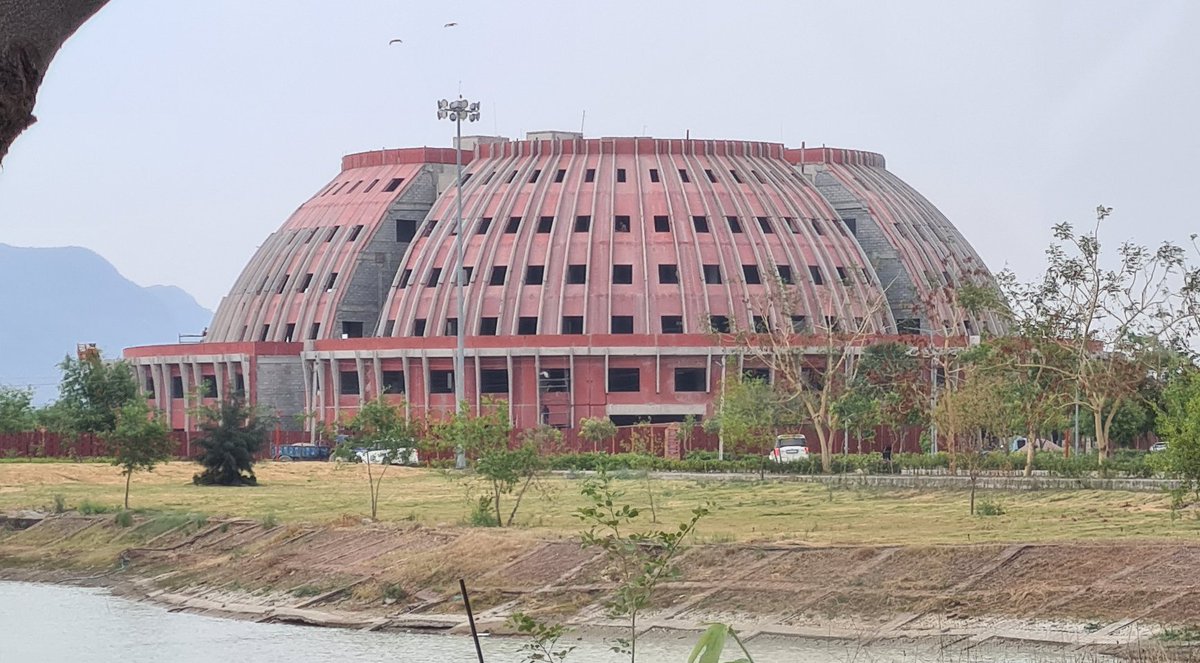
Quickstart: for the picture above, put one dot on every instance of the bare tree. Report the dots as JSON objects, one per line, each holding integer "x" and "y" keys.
{"x": 31, "y": 32}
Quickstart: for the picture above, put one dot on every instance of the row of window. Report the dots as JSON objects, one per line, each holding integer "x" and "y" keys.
{"x": 340, "y": 187}
{"x": 623, "y": 275}
{"x": 206, "y": 388}
{"x": 495, "y": 380}
{"x": 618, "y": 324}
{"x": 622, "y": 223}
{"x": 622, "y": 176}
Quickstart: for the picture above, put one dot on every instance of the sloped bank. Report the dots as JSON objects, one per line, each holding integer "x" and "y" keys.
{"x": 1092, "y": 596}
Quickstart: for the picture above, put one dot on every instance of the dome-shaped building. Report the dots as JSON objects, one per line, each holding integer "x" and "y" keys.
{"x": 599, "y": 277}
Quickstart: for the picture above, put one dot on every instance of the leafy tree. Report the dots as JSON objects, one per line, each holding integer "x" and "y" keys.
{"x": 1179, "y": 425}
{"x": 968, "y": 415}
{"x": 231, "y": 433}
{"x": 16, "y": 410}
{"x": 484, "y": 439}
{"x": 597, "y": 430}
{"x": 91, "y": 394}
{"x": 747, "y": 414}
{"x": 140, "y": 441}
{"x": 860, "y": 411}
{"x": 380, "y": 426}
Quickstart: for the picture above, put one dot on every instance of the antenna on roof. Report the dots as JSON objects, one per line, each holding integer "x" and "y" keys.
{"x": 688, "y": 134}
{"x": 582, "y": 120}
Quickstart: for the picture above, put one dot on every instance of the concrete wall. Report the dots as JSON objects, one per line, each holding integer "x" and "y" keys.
{"x": 279, "y": 385}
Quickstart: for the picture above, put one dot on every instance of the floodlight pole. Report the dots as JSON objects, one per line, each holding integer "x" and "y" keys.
{"x": 457, "y": 111}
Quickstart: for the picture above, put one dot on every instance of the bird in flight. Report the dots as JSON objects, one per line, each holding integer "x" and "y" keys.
{"x": 449, "y": 25}
{"x": 395, "y": 41}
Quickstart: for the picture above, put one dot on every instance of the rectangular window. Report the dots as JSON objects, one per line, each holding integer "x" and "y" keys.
{"x": 488, "y": 326}
{"x": 493, "y": 381}
{"x": 622, "y": 274}
{"x": 428, "y": 232}
{"x": 527, "y": 325}
{"x": 662, "y": 224}
{"x": 757, "y": 374}
{"x": 672, "y": 324}
{"x": 555, "y": 380}
{"x": 719, "y": 323}
{"x": 791, "y": 224}
{"x": 406, "y": 230}
{"x": 909, "y": 326}
{"x": 816, "y": 224}
{"x": 684, "y": 176}
{"x": 352, "y": 329}
{"x": 389, "y": 327}
{"x": 653, "y": 174}
{"x": 487, "y": 179}
{"x": 441, "y": 382}
{"x": 435, "y": 275}
{"x": 514, "y": 222}
{"x": 405, "y": 277}
{"x": 349, "y": 383}
{"x": 851, "y": 225}
{"x": 576, "y": 274}
{"x": 750, "y": 274}
{"x": 208, "y": 386}
{"x": 560, "y": 176}
{"x": 283, "y": 283}
{"x": 700, "y": 223}
{"x": 582, "y": 223}
{"x": 451, "y": 328}
{"x": 289, "y": 333}
{"x": 393, "y": 382}
{"x": 419, "y": 327}
{"x": 691, "y": 379}
{"x": 511, "y": 176}
{"x": 371, "y": 186}
{"x": 176, "y": 386}
{"x": 620, "y": 174}
{"x": 266, "y": 333}
{"x": 758, "y": 176}
{"x": 621, "y": 324}
{"x": 589, "y": 175}
{"x": 332, "y": 232}
{"x": 760, "y": 325}
{"x": 712, "y": 274}
{"x": 734, "y": 224}
{"x": 534, "y": 177}
{"x": 625, "y": 379}
{"x": 354, "y": 233}
{"x": 621, "y": 224}
{"x": 799, "y": 324}
{"x": 499, "y": 273}
{"x": 841, "y": 272}
{"x": 785, "y": 274}
{"x": 765, "y": 224}
{"x": 393, "y": 185}
{"x": 545, "y": 223}
{"x": 305, "y": 282}
{"x": 668, "y": 274}
{"x": 815, "y": 272}
{"x": 736, "y": 178}
{"x": 484, "y": 224}
{"x": 711, "y": 176}
{"x": 572, "y": 324}
{"x": 534, "y": 274}
{"x": 239, "y": 385}
{"x": 314, "y": 331}
{"x": 831, "y": 323}
{"x": 331, "y": 282}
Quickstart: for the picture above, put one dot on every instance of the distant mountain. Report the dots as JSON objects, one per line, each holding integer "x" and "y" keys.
{"x": 51, "y": 299}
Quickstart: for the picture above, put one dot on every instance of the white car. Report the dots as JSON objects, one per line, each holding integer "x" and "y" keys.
{"x": 789, "y": 448}
{"x": 1158, "y": 446}
{"x": 379, "y": 456}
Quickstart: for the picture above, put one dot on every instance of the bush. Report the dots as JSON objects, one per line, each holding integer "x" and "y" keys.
{"x": 482, "y": 514}
{"x": 90, "y": 508}
{"x": 989, "y": 507}
{"x": 124, "y": 518}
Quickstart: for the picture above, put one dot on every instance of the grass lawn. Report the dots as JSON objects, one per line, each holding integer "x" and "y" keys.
{"x": 747, "y": 510}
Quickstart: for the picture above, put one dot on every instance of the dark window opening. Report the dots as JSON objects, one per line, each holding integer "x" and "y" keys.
{"x": 534, "y": 274}
{"x": 289, "y": 332}
{"x": 760, "y": 325}
{"x": 711, "y": 176}
{"x": 662, "y": 224}
{"x": 534, "y": 177}
{"x": 239, "y": 385}
{"x": 484, "y": 224}
{"x": 791, "y": 224}
{"x": 511, "y": 176}
{"x": 582, "y": 223}
{"x": 331, "y": 281}
{"x": 736, "y": 178}
{"x": 406, "y": 229}
{"x": 419, "y": 327}
{"x": 354, "y": 233}
{"x": 841, "y": 272}
{"x": 712, "y": 274}
{"x": 851, "y": 225}
{"x": 691, "y": 379}
{"x": 283, "y": 283}
{"x": 467, "y": 271}
{"x": 734, "y": 224}
{"x": 332, "y": 232}
{"x": 653, "y": 174}
{"x": 314, "y": 331}
{"x": 572, "y": 324}
{"x": 545, "y": 223}
{"x": 785, "y": 274}
{"x": 499, "y": 273}
{"x": 555, "y": 380}
{"x": 488, "y": 178}
{"x": 621, "y": 324}
{"x": 700, "y": 223}
{"x": 946, "y": 278}
{"x": 624, "y": 379}
{"x": 750, "y": 273}
{"x": 527, "y": 325}
{"x": 758, "y": 176}
{"x": 441, "y": 382}
{"x": 393, "y": 382}
{"x": 266, "y": 333}
{"x": 405, "y": 277}
{"x": 858, "y": 326}
{"x": 765, "y": 224}
{"x": 684, "y": 176}
{"x": 560, "y": 176}
{"x": 621, "y": 224}
{"x": 313, "y": 233}
{"x": 719, "y": 323}
{"x": 831, "y": 323}
{"x": 352, "y": 329}
{"x": 672, "y": 324}
{"x": 434, "y": 275}
{"x": 815, "y": 272}
{"x": 622, "y": 274}
{"x": 208, "y": 386}
{"x": 176, "y": 386}
{"x": 576, "y": 274}
{"x": 620, "y": 174}
{"x": 799, "y": 324}
{"x": 393, "y": 185}
{"x": 817, "y": 227}
{"x": 668, "y": 274}
{"x": 305, "y": 282}
{"x": 428, "y": 231}
{"x": 371, "y": 186}
{"x": 389, "y": 327}
{"x": 493, "y": 381}
{"x": 590, "y": 175}
{"x": 514, "y": 222}
{"x": 757, "y": 374}
{"x": 909, "y": 326}
{"x": 349, "y": 383}
{"x": 451, "y": 328}
{"x": 488, "y": 326}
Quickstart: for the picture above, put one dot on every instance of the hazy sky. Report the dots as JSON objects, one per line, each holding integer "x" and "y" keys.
{"x": 173, "y": 137}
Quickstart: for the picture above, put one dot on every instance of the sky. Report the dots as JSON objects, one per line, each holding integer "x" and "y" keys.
{"x": 174, "y": 137}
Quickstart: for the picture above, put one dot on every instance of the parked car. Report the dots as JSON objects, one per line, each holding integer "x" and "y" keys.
{"x": 303, "y": 451}
{"x": 1158, "y": 446}
{"x": 379, "y": 456}
{"x": 789, "y": 448}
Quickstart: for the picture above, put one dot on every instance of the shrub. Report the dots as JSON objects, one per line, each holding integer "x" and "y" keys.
{"x": 90, "y": 508}
{"x": 482, "y": 513}
{"x": 989, "y": 507}
{"x": 124, "y": 518}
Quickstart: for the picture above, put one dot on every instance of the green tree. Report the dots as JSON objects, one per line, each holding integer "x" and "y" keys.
{"x": 140, "y": 441}
{"x": 597, "y": 430}
{"x": 91, "y": 394}
{"x": 16, "y": 410}
{"x": 381, "y": 428}
{"x": 747, "y": 414}
{"x": 232, "y": 431}
{"x": 484, "y": 439}
{"x": 1179, "y": 425}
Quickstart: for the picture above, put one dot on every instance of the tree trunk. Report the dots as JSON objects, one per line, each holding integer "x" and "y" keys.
{"x": 826, "y": 452}
{"x": 31, "y": 32}
{"x": 1029, "y": 435}
{"x": 128, "y": 478}
{"x": 1101, "y": 436}
{"x": 950, "y": 442}
{"x": 517, "y": 504}
{"x": 974, "y": 476}
{"x": 496, "y": 494}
